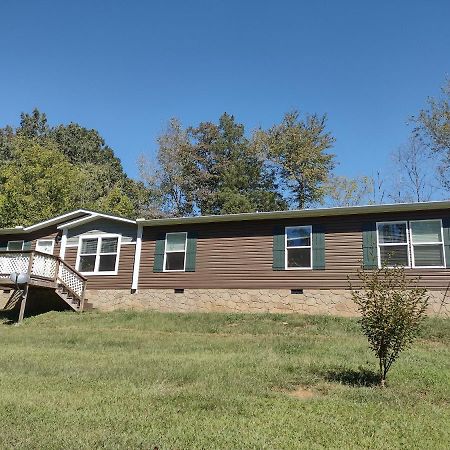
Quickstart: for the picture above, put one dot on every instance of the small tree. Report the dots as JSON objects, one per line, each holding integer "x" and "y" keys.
{"x": 392, "y": 308}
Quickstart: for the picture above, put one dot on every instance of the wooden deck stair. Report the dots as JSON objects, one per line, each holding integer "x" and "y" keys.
{"x": 45, "y": 271}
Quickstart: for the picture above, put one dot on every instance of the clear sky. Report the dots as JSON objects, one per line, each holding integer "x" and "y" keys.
{"x": 126, "y": 67}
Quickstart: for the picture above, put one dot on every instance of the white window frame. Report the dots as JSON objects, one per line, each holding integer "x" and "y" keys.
{"x": 46, "y": 240}
{"x": 165, "y": 252}
{"x": 408, "y": 248}
{"x": 427, "y": 243}
{"x": 310, "y": 246}
{"x": 99, "y": 238}
{"x": 19, "y": 240}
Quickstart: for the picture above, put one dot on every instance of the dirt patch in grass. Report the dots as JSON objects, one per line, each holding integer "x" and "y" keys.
{"x": 299, "y": 392}
{"x": 302, "y": 393}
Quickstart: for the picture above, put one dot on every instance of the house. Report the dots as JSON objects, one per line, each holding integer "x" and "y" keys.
{"x": 284, "y": 261}
{"x": 69, "y": 254}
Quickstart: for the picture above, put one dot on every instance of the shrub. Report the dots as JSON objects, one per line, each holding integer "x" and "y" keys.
{"x": 392, "y": 308}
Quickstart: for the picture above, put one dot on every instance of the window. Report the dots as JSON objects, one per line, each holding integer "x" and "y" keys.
{"x": 427, "y": 243}
{"x": 98, "y": 255}
{"x": 45, "y": 246}
{"x": 175, "y": 252}
{"x": 298, "y": 247}
{"x": 393, "y": 245}
{"x": 15, "y": 246}
{"x": 418, "y": 245}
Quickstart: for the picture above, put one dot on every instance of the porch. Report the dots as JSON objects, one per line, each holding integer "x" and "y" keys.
{"x": 45, "y": 272}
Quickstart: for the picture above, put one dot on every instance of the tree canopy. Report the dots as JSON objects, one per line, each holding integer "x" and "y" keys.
{"x": 38, "y": 182}
{"x": 298, "y": 150}
{"x": 213, "y": 167}
{"x": 89, "y": 175}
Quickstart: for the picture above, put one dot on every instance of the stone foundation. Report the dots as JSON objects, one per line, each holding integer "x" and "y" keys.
{"x": 320, "y": 301}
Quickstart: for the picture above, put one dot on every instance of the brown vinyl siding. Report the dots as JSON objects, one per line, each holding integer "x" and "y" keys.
{"x": 124, "y": 276}
{"x": 239, "y": 255}
{"x": 44, "y": 233}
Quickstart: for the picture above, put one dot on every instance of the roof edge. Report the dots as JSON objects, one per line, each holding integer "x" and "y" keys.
{"x": 317, "y": 212}
{"x": 92, "y": 217}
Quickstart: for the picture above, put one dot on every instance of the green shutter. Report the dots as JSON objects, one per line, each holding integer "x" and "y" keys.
{"x": 160, "y": 243}
{"x": 278, "y": 248}
{"x": 446, "y": 231}
{"x": 370, "y": 255}
{"x": 318, "y": 247}
{"x": 191, "y": 252}
{"x": 3, "y": 246}
{"x": 27, "y": 245}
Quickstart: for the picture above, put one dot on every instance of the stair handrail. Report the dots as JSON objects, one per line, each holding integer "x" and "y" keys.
{"x": 82, "y": 279}
{"x": 75, "y": 271}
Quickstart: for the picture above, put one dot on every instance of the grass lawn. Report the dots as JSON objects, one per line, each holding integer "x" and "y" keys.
{"x": 227, "y": 381}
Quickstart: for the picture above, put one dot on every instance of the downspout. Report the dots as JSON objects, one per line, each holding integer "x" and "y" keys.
{"x": 137, "y": 258}
{"x": 62, "y": 248}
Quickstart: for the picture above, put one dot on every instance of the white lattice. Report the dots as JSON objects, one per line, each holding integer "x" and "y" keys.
{"x": 71, "y": 279}
{"x": 44, "y": 266}
{"x": 14, "y": 262}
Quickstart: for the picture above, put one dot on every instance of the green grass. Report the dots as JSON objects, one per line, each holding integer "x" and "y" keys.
{"x": 140, "y": 380}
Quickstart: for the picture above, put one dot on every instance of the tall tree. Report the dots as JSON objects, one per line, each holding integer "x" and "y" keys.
{"x": 211, "y": 169}
{"x": 298, "y": 150}
{"x": 37, "y": 183}
{"x": 103, "y": 183}
{"x": 432, "y": 127}
{"x": 413, "y": 180}
{"x": 172, "y": 178}
{"x": 232, "y": 176}
{"x": 33, "y": 125}
{"x": 345, "y": 191}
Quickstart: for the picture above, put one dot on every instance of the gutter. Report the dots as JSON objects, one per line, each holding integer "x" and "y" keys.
{"x": 318, "y": 212}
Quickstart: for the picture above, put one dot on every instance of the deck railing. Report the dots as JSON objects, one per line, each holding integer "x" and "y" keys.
{"x": 42, "y": 266}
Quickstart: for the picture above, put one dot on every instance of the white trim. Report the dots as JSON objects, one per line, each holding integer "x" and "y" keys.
{"x": 56, "y": 219}
{"x": 18, "y": 240}
{"x": 427, "y": 243}
{"x": 87, "y": 235}
{"x": 165, "y": 252}
{"x": 408, "y": 252}
{"x": 89, "y": 215}
{"x": 93, "y": 217}
{"x": 137, "y": 257}
{"x": 300, "y": 246}
{"x": 62, "y": 247}
{"x": 99, "y": 237}
{"x": 43, "y": 240}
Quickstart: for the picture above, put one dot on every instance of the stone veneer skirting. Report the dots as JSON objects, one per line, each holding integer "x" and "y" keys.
{"x": 320, "y": 301}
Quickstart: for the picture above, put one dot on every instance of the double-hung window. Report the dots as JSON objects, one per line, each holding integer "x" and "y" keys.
{"x": 175, "y": 252}
{"x": 418, "y": 243}
{"x": 98, "y": 255}
{"x": 298, "y": 252}
{"x": 427, "y": 243}
{"x": 393, "y": 244}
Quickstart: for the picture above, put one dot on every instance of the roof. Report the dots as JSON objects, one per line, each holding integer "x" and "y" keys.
{"x": 301, "y": 213}
{"x": 80, "y": 216}
{"x": 67, "y": 220}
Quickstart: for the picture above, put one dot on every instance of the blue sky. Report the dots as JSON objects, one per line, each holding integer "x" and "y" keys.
{"x": 126, "y": 67}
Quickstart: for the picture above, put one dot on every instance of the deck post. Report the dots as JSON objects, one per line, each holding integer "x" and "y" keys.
{"x": 23, "y": 303}
{"x": 25, "y": 289}
{"x": 82, "y": 297}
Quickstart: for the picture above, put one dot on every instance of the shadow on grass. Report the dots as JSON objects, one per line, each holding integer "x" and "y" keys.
{"x": 350, "y": 377}
{"x": 8, "y": 317}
